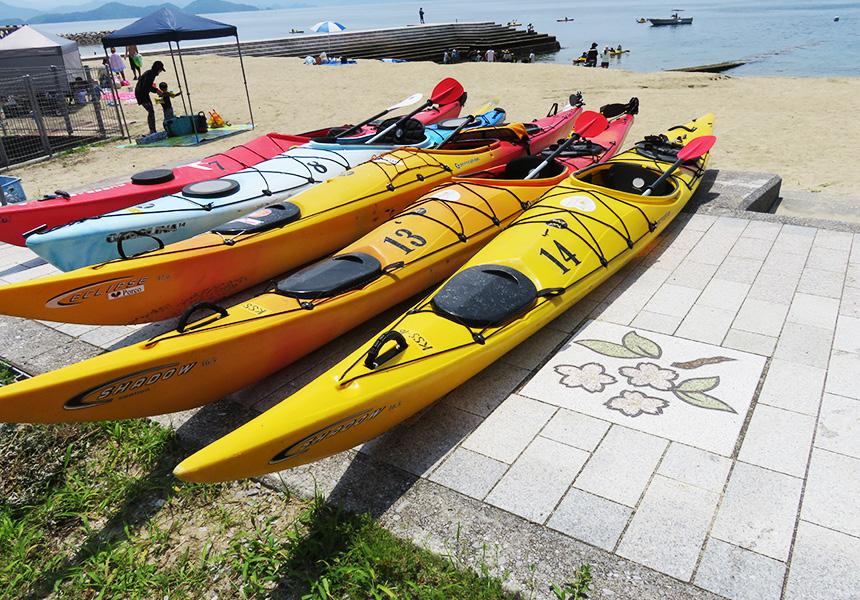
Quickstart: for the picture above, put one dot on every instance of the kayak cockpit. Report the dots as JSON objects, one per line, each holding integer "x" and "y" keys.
{"x": 627, "y": 178}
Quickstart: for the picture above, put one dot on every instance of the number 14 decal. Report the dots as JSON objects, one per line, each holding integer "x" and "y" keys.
{"x": 566, "y": 256}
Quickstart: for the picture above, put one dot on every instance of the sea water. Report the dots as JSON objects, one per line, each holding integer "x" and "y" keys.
{"x": 776, "y": 37}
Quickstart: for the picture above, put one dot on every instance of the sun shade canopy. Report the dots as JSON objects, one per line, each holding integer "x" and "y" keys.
{"x": 168, "y": 25}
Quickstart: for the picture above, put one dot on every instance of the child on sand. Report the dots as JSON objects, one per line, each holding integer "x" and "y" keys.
{"x": 165, "y": 99}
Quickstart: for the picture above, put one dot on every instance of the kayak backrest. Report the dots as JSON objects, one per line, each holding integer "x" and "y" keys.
{"x": 484, "y": 296}
{"x": 332, "y": 276}
{"x": 270, "y": 217}
{"x": 521, "y": 166}
{"x": 658, "y": 147}
{"x": 410, "y": 131}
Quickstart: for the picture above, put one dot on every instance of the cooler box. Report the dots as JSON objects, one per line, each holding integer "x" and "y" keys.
{"x": 11, "y": 191}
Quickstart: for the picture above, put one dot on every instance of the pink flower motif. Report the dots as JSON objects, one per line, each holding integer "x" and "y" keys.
{"x": 651, "y": 375}
{"x": 590, "y": 377}
{"x": 634, "y": 404}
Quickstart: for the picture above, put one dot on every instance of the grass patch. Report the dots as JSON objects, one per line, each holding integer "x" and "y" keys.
{"x": 93, "y": 511}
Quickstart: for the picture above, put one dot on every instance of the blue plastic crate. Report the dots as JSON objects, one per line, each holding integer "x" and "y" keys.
{"x": 11, "y": 191}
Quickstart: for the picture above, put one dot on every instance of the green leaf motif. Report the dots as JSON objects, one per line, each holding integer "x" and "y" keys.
{"x": 703, "y": 400}
{"x": 608, "y": 349}
{"x": 699, "y": 384}
{"x": 700, "y": 362}
{"x": 641, "y": 346}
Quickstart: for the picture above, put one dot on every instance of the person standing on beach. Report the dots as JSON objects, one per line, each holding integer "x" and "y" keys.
{"x": 146, "y": 86}
{"x": 134, "y": 60}
{"x": 591, "y": 57}
{"x": 421, "y": 14}
{"x": 116, "y": 64}
{"x": 604, "y": 57}
{"x": 490, "y": 56}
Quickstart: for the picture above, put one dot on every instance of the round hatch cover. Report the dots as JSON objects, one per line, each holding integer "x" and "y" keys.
{"x": 214, "y": 188}
{"x": 153, "y": 177}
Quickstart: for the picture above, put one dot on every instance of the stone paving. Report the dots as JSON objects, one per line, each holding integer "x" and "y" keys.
{"x": 691, "y": 429}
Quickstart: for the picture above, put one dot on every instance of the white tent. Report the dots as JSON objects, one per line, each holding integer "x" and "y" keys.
{"x": 28, "y": 47}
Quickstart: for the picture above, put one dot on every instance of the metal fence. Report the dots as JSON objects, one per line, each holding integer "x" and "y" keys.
{"x": 44, "y": 110}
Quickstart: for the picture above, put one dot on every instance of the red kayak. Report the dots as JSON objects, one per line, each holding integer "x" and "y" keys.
{"x": 60, "y": 208}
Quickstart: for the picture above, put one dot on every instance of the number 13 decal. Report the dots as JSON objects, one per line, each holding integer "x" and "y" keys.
{"x": 566, "y": 256}
{"x": 414, "y": 240}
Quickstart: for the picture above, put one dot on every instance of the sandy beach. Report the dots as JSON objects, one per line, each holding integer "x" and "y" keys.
{"x": 792, "y": 127}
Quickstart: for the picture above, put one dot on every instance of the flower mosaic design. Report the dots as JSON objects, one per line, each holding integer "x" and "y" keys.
{"x": 633, "y": 404}
{"x": 591, "y": 377}
{"x": 594, "y": 378}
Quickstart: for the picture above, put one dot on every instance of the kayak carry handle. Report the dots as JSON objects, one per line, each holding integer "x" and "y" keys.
{"x": 139, "y": 234}
{"x": 373, "y": 360}
{"x": 183, "y": 320}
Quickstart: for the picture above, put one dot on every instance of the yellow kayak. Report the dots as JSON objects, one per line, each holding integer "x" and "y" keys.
{"x": 574, "y": 237}
{"x": 163, "y": 283}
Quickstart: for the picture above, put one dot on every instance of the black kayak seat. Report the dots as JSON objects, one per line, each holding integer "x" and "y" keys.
{"x": 484, "y": 296}
{"x": 658, "y": 148}
{"x": 577, "y": 149}
{"x": 270, "y": 217}
{"x": 521, "y": 166}
{"x": 628, "y": 178}
{"x": 410, "y": 131}
{"x": 332, "y": 276}
{"x": 153, "y": 177}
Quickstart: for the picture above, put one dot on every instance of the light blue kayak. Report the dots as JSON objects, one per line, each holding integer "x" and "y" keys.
{"x": 204, "y": 205}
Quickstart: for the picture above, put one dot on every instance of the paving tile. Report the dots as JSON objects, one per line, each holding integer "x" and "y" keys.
{"x": 591, "y": 519}
{"x": 847, "y": 338}
{"x": 665, "y": 258}
{"x": 672, "y": 300}
{"x": 682, "y": 237}
{"x": 585, "y": 377}
{"x": 741, "y": 270}
{"x": 33, "y": 272}
{"x": 804, "y": 344}
{"x": 745, "y": 341}
{"x": 839, "y": 425}
{"x": 695, "y": 467}
{"x": 692, "y": 274}
{"x": 642, "y": 281}
{"x": 843, "y": 375}
{"x": 739, "y": 574}
{"x": 538, "y": 479}
{"x": 699, "y": 222}
{"x": 758, "y": 511}
{"x": 656, "y": 322}
{"x": 107, "y": 337}
{"x": 482, "y": 393}
{"x": 833, "y": 240}
{"x": 469, "y": 473}
{"x": 669, "y": 527}
{"x": 748, "y": 247}
{"x": 793, "y": 386}
{"x": 814, "y": 311}
{"x": 855, "y": 249}
{"x": 622, "y": 465}
{"x": 778, "y": 289}
{"x": 762, "y": 230}
{"x": 779, "y": 440}
{"x": 850, "y": 304}
{"x": 826, "y": 259}
{"x": 725, "y": 295}
{"x": 852, "y": 275}
{"x": 825, "y": 564}
{"x": 575, "y": 429}
{"x": 622, "y": 312}
{"x": 785, "y": 265}
{"x": 575, "y": 316}
{"x": 832, "y": 495}
{"x": 821, "y": 283}
{"x": 510, "y": 428}
{"x": 706, "y": 324}
{"x": 712, "y": 249}
{"x": 761, "y": 316}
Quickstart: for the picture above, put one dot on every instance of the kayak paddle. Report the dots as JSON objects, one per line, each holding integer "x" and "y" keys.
{"x": 447, "y": 90}
{"x": 589, "y": 124}
{"x": 405, "y": 102}
{"x": 694, "y": 149}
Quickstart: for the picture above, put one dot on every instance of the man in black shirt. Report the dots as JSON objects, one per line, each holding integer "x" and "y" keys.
{"x": 146, "y": 86}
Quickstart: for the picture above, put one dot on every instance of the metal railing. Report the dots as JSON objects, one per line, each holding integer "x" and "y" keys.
{"x": 50, "y": 109}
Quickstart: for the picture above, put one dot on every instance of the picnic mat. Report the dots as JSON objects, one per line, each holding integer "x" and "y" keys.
{"x": 125, "y": 97}
{"x": 191, "y": 140}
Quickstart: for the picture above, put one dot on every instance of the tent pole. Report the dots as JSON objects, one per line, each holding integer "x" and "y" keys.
{"x": 187, "y": 91}
{"x": 175, "y": 70}
{"x": 245, "y": 80}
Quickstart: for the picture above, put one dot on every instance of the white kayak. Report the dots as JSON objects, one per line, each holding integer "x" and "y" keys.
{"x": 202, "y": 206}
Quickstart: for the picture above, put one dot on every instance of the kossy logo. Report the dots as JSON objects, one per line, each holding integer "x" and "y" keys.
{"x": 126, "y": 386}
{"x": 111, "y": 287}
{"x": 304, "y": 444}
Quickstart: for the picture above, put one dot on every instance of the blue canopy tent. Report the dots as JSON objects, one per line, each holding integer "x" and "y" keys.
{"x": 172, "y": 26}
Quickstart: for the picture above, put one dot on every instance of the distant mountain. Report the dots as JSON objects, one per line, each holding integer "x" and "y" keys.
{"x": 115, "y": 10}
{"x": 8, "y": 14}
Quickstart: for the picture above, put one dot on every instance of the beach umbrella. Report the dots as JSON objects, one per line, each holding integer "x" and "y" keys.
{"x": 327, "y": 27}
